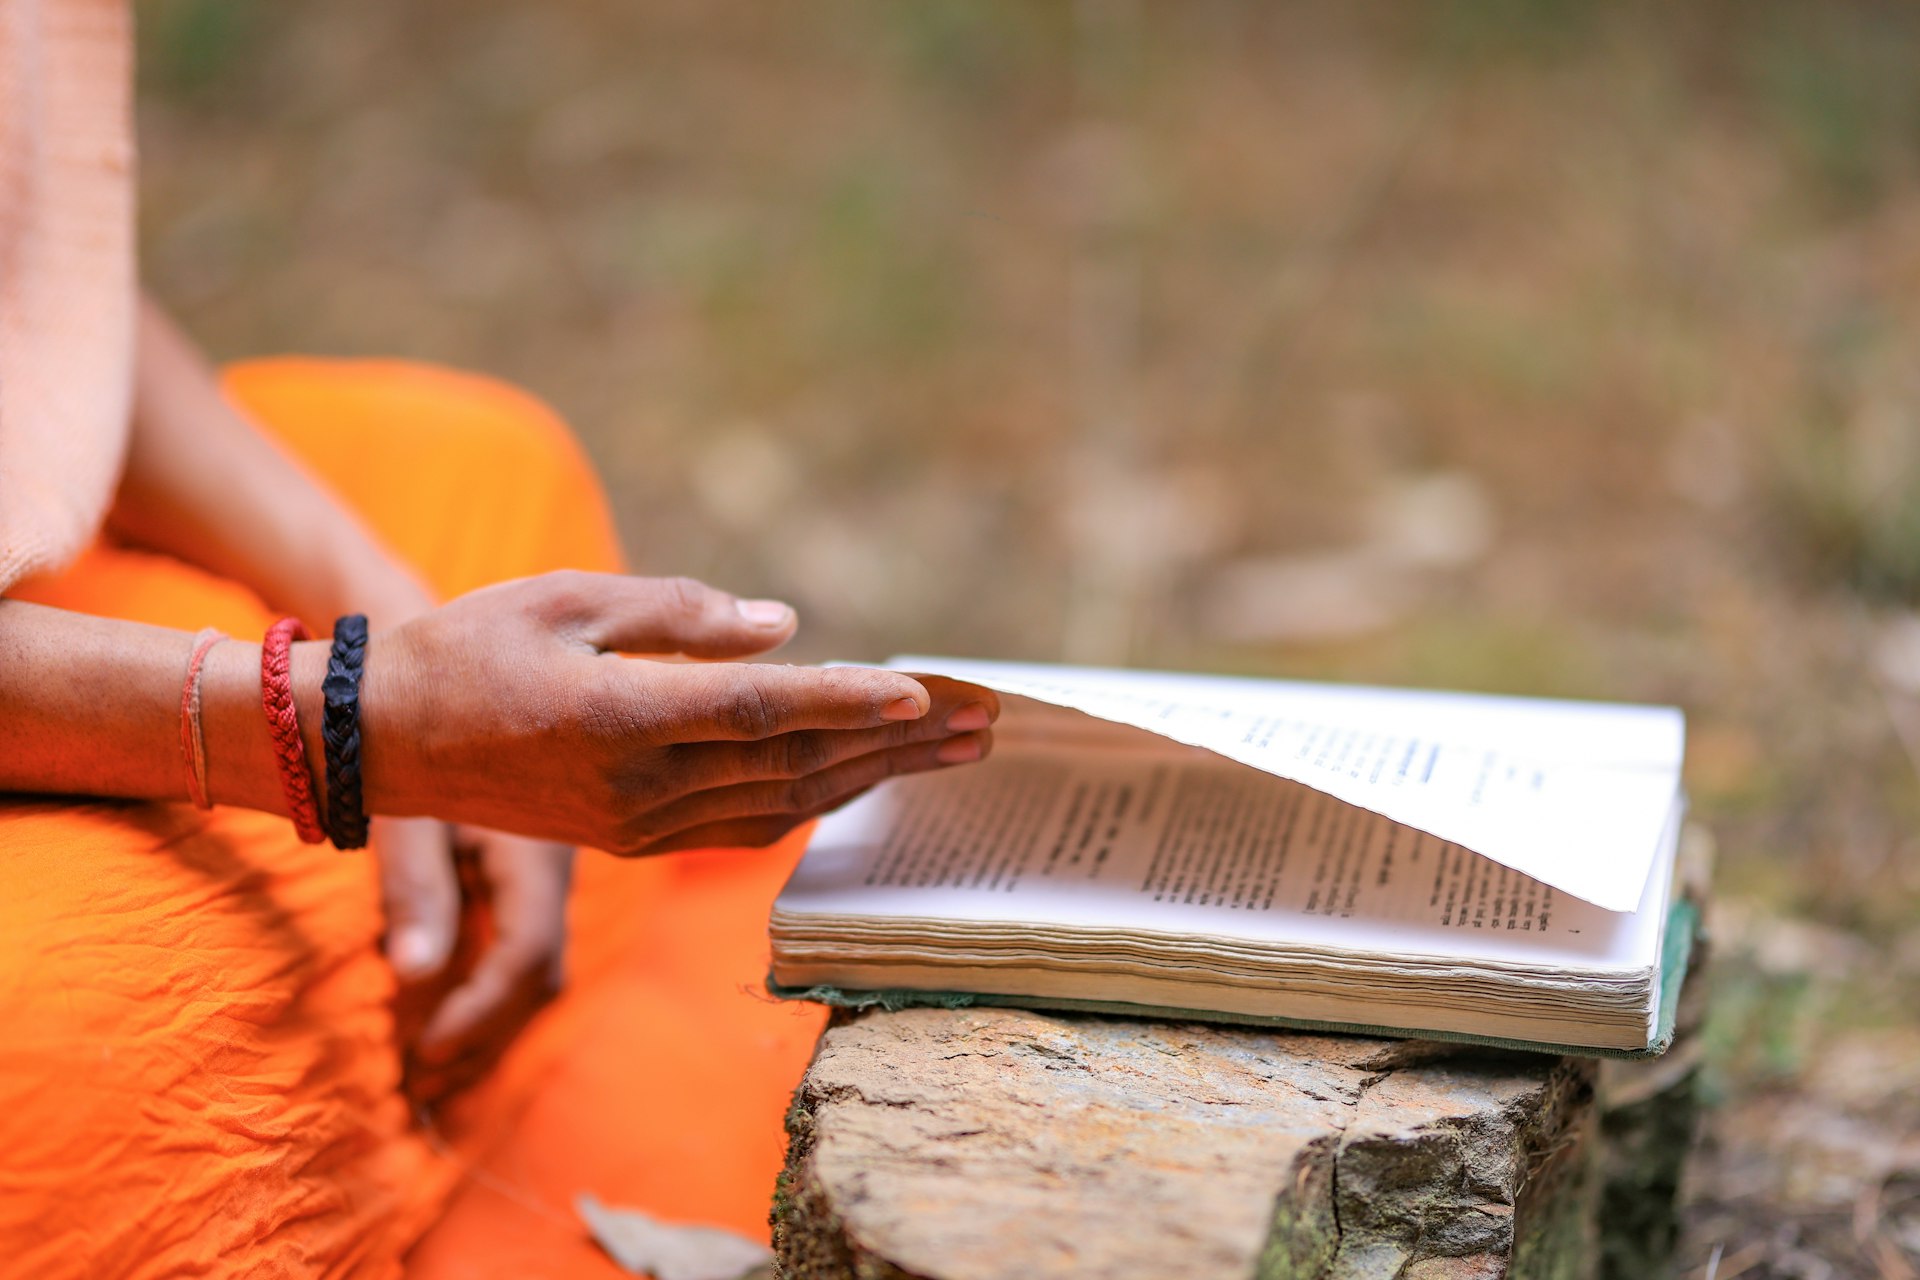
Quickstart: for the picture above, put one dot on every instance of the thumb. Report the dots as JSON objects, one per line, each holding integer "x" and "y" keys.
{"x": 667, "y": 615}
{"x": 421, "y": 893}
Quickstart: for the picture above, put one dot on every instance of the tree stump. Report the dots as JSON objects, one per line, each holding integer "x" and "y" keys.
{"x": 1001, "y": 1144}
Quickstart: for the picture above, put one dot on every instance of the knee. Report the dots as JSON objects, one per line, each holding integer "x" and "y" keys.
{"x": 513, "y": 427}
{"x": 408, "y": 442}
{"x": 512, "y": 432}
{"x": 404, "y": 407}
{"x": 520, "y": 461}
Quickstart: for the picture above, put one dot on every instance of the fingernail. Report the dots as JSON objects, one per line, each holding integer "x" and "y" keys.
{"x": 764, "y": 613}
{"x": 968, "y": 718}
{"x": 902, "y": 709}
{"x": 412, "y": 953}
{"x": 958, "y": 751}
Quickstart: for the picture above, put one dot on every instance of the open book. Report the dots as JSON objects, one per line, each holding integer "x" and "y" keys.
{"x": 1435, "y": 864}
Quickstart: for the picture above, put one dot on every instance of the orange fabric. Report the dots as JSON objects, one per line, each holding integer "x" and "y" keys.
{"x": 196, "y": 1070}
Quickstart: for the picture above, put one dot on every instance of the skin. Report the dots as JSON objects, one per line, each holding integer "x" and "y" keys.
{"x": 508, "y": 710}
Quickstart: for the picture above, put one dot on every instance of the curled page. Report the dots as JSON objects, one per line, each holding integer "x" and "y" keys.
{"x": 1577, "y": 795}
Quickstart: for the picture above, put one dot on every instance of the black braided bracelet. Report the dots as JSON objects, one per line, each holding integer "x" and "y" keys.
{"x": 346, "y": 814}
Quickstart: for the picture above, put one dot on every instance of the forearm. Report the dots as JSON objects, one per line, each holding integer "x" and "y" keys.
{"x": 507, "y": 708}
{"x": 204, "y": 485}
{"x": 92, "y": 707}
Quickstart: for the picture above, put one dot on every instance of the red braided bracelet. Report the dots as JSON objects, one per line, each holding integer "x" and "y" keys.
{"x": 276, "y": 697}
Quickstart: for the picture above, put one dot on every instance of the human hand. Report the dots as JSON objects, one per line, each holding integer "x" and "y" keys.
{"x": 477, "y": 946}
{"x": 507, "y": 907}
{"x": 511, "y": 709}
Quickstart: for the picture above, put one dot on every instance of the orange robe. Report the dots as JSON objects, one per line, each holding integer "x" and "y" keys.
{"x": 197, "y": 1067}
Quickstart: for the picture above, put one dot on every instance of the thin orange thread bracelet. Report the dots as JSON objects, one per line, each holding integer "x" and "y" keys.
{"x": 283, "y": 722}
{"x": 193, "y": 744}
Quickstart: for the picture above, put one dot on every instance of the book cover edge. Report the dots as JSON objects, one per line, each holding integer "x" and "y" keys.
{"x": 1677, "y": 946}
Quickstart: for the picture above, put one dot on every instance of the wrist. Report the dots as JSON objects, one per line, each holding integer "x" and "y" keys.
{"x": 241, "y": 767}
{"x": 392, "y": 761}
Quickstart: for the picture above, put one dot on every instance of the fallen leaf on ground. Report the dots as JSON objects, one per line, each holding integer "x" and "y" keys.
{"x": 645, "y": 1246}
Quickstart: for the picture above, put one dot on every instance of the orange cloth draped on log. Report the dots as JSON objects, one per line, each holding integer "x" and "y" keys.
{"x": 197, "y": 1067}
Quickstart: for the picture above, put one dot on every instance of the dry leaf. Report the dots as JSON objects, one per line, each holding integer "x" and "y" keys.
{"x": 646, "y": 1246}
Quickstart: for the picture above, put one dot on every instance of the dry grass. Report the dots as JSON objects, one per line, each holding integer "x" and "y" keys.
{"x": 1148, "y": 334}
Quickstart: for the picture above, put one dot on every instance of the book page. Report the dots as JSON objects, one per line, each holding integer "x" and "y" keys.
{"x": 1575, "y": 795}
{"x": 1182, "y": 842}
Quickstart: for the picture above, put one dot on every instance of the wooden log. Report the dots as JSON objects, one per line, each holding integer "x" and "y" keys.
{"x": 1001, "y": 1144}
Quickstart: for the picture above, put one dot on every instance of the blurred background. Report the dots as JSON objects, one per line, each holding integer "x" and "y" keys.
{"x": 1535, "y": 346}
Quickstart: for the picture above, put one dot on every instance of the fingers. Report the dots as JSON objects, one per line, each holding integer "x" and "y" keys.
{"x": 495, "y": 984}
{"x": 421, "y": 894}
{"x": 954, "y": 708}
{"x": 743, "y": 833}
{"x": 521, "y": 970}
{"x": 663, "y": 616}
{"x": 796, "y": 799}
{"x": 745, "y": 702}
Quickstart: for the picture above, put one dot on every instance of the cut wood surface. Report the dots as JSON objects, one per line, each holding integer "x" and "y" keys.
{"x": 982, "y": 1144}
